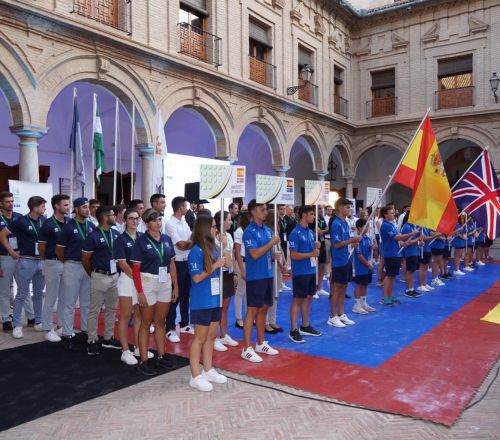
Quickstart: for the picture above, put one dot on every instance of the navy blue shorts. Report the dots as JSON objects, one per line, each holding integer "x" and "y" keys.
{"x": 205, "y": 316}
{"x": 342, "y": 275}
{"x": 411, "y": 263}
{"x": 447, "y": 252}
{"x": 363, "y": 280}
{"x": 480, "y": 244}
{"x": 437, "y": 251}
{"x": 459, "y": 247}
{"x": 303, "y": 285}
{"x": 426, "y": 258}
{"x": 260, "y": 292}
{"x": 392, "y": 265}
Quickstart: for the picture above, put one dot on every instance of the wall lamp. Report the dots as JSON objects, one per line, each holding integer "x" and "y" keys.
{"x": 494, "y": 80}
{"x": 305, "y": 75}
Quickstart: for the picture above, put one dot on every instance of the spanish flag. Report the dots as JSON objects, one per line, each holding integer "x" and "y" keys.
{"x": 422, "y": 171}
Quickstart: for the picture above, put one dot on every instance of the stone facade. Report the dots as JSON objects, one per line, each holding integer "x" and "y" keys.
{"x": 46, "y": 46}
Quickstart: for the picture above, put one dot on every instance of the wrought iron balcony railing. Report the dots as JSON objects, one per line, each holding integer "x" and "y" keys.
{"x": 381, "y": 107}
{"x": 114, "y": 13}
{"x": 340, "y": 106}
{"x": 199, "y": 44}
{"x": 262, "y": 72}
{"x": 454, "y": 98}
{"x": 309, "y": 92}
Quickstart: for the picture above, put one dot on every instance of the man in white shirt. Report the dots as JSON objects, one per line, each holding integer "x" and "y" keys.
{"x": 158, "y": 203}
{"x": 179, "y": 232}
{"x": 94, "y": 205}
{"x": 406, "y": 208}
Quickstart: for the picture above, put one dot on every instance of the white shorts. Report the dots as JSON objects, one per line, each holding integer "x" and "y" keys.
{"x": 126, "y": 287}
{"x": 154, "y": 290}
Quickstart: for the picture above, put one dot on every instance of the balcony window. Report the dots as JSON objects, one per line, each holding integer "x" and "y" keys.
{"x": 309, "y": 93}
{"x": 114, "y": 13}
{"x": 383, "y": 92}
{"x": 339, "y": 102}
{"x": 260, "y": 55}
{"x": 455, "y": 87}
{"x": 195, "y": 41}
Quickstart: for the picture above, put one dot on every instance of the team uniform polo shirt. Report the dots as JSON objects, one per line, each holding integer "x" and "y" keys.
{"x": 147, "y": 251}
{"x": 6, "y": 223}
{"x": 457, "y": 241}
{"x": 255, "y": 237}
{"x": 302, "y": 240}
{"x": 339, "y": 232}
{"x": 178, "y": 230}
{"x": 437, "y": 243}
{"x": 49, "y": 233}
{"x": 200, "y": 294}
{"x": 481, "y": 237}
{"x": 364, "y": 248}
{"x": 123, "y": 247}
{"x": 390, "y": 247}
{"x": 27, "y": 230}
{"x": 72, "y": 237}
{"x": 413, "y": 250}
{"x": 470, "y": 238}
{"x": 427, "y": 232}
{"x": 101, "y": 244}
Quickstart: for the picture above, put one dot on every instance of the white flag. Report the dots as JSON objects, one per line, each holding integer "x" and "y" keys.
{"x": 160, "y": 152}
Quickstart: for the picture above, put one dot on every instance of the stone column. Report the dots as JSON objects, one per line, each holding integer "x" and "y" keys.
{"x": 28, "y": 151}
{"x": 146, "y": 154}
{"x": 321, "y": 174}
{"x": 348, "y": 186}
{"x": 281, "y": 170}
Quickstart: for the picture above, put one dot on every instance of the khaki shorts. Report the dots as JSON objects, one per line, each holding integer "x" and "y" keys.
{"x": 126, "y": 287}
{"x": 154, "y": 290}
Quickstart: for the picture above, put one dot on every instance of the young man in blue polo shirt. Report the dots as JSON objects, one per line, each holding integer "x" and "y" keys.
{"x": 304, "y": 252}
{"x": 99, "y": 262}
{"x": 259, "y": 242}
{"x": 411, "y": 252}
{"x": 340, "y": 238}
{"x": 390, "y": 249}
{"x": 29, "y": 267}
{"x": 75, "y": 281}
{"x": 52, "y": 267}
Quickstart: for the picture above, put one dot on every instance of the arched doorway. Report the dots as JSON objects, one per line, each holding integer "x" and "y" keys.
{"x": 302, "y": 160}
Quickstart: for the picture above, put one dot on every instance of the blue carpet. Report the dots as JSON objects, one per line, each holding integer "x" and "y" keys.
{"x": 377, "y": 336}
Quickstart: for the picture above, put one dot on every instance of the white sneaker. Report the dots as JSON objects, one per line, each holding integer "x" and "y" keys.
{"x": 458, "y": 272}
{"x": 188, "y": 329}
{"x": 173, "y": 336}
{"x": 266, "y": 349}
{"x": 200, "y": 383}
{"x": 429, "y": 269}
{"x": 285, "y": 288}
{"x": 322, "y": 292}
{"x": 316, "y": 296}
{"x": 38, "y": 328}
{"x": 250, "y": 355}
{"x": 422, "y": 289}
{"x": 218, "y": 346}
{"x": 138, "y": 354}
{"x": 346, "y": 320}
{"x": 52, "y": 336}
{"x": 437, "y": 282}
{"x": 213, "y": 376}
{"x": 128, "y": 358}
{"x": 480, "y": 263}
{"x": 429, "y": 287}
{"x": 326, "y": 277}
{"x": 151, "y": 328}
{"x": 468, "y": 269}
{"x": 17, "y": 332}
{"x": 228, "y": 340}
{"x": 335, "y": 322}
{"x": 60, "y": 330}
{"x": 368, "y": 307}
{"x": 358, "y": 308}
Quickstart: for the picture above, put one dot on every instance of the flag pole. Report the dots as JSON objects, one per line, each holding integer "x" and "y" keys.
{"x": 132, "y": 156}
{"x": 94, "y": 109}
{"x": 468, "y": 169}
{"x": 392, "y": 175}
{"x": 72, "y": 166}
{"x": 115, "y": 175}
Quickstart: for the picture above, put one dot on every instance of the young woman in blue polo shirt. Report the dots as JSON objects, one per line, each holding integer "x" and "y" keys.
{"x": 460, "y": 236}
{"x": 204, "y": 268}
{"x": 155, "y": 279}
{"x": 411, "y": 253}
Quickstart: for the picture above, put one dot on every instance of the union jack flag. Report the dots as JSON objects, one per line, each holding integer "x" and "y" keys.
{"x": 478, "y": 195}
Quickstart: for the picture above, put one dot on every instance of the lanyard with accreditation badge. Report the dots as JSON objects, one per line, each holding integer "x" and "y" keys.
{"x": 162, "y": 270}
{"x": 109, "y": 244}
{"x": 36, "y": 232}
{"x": 12, "y": 240}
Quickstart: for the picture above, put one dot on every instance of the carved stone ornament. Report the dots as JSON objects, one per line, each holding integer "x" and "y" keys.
{"x": 432, "y": 34}
{"x": 279, "y": 4}
{"x": 295, "y": 13}
{"x": 398, "y": 42}
{"x": 103, "y": 67}
{"x": 366, "y": 48}
{"x": 319, "y": 27}
{"x": 476, "y": 25}
{"x": 197, "y": 94}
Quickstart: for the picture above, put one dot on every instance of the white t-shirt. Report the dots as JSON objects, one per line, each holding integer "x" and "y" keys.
{"x": 178, "y": 230}
{"x": 238, "y": 238}
{"x": 230, "y": 248}
{"x": 400, "y": 221}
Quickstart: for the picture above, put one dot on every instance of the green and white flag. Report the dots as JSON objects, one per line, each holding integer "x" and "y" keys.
{"x": 97, "y": 143}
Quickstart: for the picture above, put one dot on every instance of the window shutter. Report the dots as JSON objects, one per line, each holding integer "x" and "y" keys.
{"x": 455, "y": 66}
{"x": 337, "y": 75}
{"x": 199, "y": 6}
{"x": 259, "y": 33}
{"x": 383, "y": 79}
{"x": 305, "y": 57}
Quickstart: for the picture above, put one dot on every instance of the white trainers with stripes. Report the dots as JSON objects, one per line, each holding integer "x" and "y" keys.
{"x": 266, "y": 349}
{"x": 250, "y": 355}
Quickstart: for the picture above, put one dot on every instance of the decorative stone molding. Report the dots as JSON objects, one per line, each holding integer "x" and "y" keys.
{"x": 432, "y": 34}
{"x": 279, "y": 4}
{"x": 197, "y": 94}
{"x": 262, "y": 112}
{"x": 476, "y": 25}
{"x": 398, "y": 42}
{"x": 366, "y": 48}
{"x": 454, "y": 129}
{"x": 103, "y": 67}
{"x": 295, "y": 13}
{"x": 319, "y": 27}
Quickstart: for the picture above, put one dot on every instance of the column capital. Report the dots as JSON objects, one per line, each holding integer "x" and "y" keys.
{"x": 348, "y": 177}
{"x": 281, "y": 170}
{"x": 230, "y": 159}
{"x": 145, "y": 149}
{"x": 30, "y": 131}
{"x": 321, "y": 174}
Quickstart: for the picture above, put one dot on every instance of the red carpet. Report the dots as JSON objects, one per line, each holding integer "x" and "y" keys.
{"x": 434, "y": 378}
